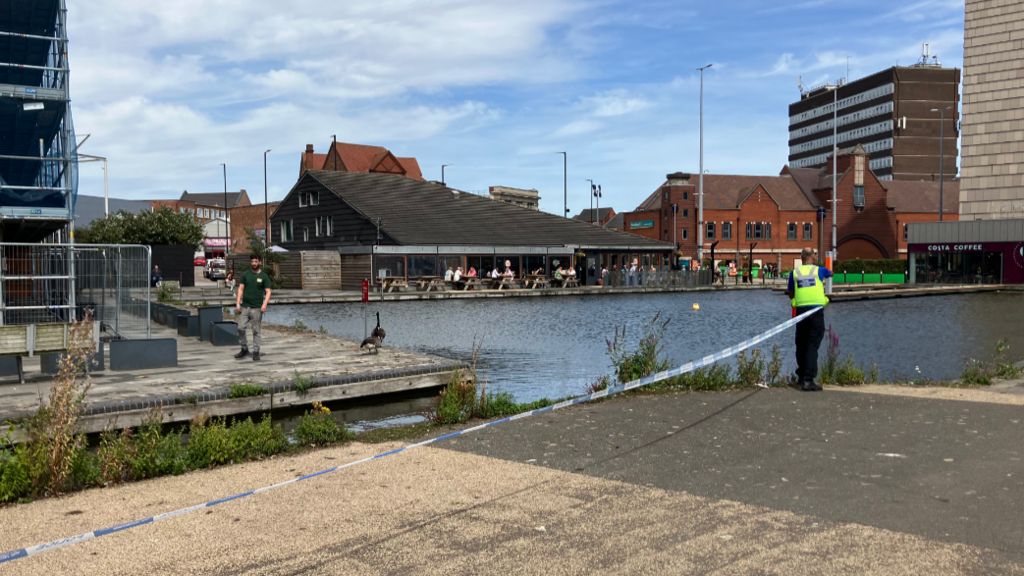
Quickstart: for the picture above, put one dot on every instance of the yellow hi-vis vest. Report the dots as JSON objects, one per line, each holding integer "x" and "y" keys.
{"x": 808, "y": 289}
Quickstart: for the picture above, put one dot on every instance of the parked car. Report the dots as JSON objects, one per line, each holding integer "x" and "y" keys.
{"x": 216, "y": 269}
{"x": 199, "y": 261}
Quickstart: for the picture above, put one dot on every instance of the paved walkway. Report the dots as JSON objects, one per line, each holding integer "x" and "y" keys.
{"x": 766, "y": 482}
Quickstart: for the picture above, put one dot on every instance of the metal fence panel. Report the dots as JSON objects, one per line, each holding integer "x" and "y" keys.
{"x": 56, "y": 283}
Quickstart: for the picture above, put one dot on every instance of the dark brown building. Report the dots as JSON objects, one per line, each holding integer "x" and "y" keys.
{"x": 890, "y": 115}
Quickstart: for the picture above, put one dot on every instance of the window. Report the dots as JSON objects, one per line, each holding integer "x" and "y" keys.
{"x": 314, "y": 198}
{"x": 791, "y": 231}
{"x": 324, "y": 226}
{"x": 302, "y": 199}
{"x": 686, "y": 233}
{"x": 768, "y": 230}
{"x": 686, "y": 195}
{"x": 808, "y": 230}
{"x": 305, "y": 233}
{"x": 711, "y": 230}
{"x": 904, "y": 231}
{"x": 750, "y": 230}
{"x": 686, "y": 212}
{"x": 286, "y": 231}
{"x": 726, "y": 230}
{"x": 858, "y": 197}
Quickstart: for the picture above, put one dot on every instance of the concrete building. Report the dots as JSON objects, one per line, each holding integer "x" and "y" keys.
{"x": 889, "y": 114}
{"x": 993, "y": 126}
{"x": 208, "y": 207}
{"x": 523, "y": 197}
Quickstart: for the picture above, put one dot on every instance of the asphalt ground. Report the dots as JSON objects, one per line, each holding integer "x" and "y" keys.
{"x": 766, "y": 482}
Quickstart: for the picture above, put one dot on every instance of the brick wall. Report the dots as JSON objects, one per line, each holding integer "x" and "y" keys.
{"x": 245, "y": 217}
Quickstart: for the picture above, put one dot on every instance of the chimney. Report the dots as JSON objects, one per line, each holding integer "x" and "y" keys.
{"x": 309, "y": 148}
{"x": 678, "y": 179}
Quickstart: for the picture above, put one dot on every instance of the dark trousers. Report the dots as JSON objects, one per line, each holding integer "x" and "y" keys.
{"x": 809, "y": 333}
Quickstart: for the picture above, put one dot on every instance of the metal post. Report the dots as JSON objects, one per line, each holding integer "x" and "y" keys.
{"x": 835, "y": 153}
{"x": 443, "y": 166}
{"x": 565, "y": 184}
{"x": 106, "y": 190}
{"x": 592, "y": 191}
{"x": 227, "y": 236}
{"x": 117, "y": 307}
{"x": 149, "y": 289}
{"x": 266, "y": 204}
{"x": 700, "y": 177}
{"x": 597, "y": 202}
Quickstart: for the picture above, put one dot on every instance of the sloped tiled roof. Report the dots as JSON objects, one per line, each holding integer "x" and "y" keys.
{"x": 617, "y": 222}
{"x": 212, "y": 198}
{"x": 922, "y": 196}
{"x": 443, "y": 216}
{"x": 726, "y": 191}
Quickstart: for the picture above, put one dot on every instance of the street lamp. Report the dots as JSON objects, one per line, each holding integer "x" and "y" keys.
{"x": 266, "y": 204}
{"x": 593, "y": 192}
{"x": 106, "y": 179}
{"x": 565, "y": 183}
{"x": 700, "y": 178}
{"x": 597, "y": 200}
{"x": 227, "y": 236}
{"x": 942, "y": 123}
{"x": 443, "y": 166}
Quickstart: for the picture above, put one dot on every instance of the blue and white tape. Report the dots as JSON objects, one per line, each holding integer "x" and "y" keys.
{"x": 684, "y": 369}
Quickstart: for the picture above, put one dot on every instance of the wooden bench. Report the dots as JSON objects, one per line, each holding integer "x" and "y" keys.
{"x": 504, "y": 282}
{"x": 32, "y": 339}
{"x": 472, "y": 283}
{"x": 570, "y": 282}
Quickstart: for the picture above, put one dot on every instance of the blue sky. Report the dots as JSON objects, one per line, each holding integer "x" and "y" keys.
{"x": 170, "y": 90}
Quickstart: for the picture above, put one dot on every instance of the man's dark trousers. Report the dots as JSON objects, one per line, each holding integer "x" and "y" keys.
{"x": 809, "y": 333}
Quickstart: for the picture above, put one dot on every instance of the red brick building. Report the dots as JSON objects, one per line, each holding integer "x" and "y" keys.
{"x": 208, "y": 207}
{"x": 346, "y": 157}
{"x": 773, "y": 217}
{"x": 252, "y": 218}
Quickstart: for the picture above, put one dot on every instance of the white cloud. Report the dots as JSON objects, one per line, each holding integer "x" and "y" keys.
{"x": 615, "y": 103}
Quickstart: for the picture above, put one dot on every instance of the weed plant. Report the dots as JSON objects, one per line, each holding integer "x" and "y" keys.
{"x": 318, "y": 428}
{"x": 301, "y": 384}
{"x": 245, "y": 390}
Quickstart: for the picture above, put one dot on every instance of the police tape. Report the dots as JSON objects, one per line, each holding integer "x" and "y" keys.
{"x": 611, "y": 390}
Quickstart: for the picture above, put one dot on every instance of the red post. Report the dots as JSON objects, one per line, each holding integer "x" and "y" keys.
{"x": 366, "y": 290}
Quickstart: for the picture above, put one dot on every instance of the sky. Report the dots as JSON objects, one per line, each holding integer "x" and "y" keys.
{"x": 495, "y": 89}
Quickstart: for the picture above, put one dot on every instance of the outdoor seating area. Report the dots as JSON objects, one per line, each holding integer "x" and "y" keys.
{"x": 398, "y": 284}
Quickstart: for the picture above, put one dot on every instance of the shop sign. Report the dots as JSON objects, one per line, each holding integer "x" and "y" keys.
{"x": 638, "y": 224}
{"x": 215, "y": 242}
{"x": 955, "y": 247}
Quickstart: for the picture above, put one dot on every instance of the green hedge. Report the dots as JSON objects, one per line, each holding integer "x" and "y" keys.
{"x": 891, "y": 266}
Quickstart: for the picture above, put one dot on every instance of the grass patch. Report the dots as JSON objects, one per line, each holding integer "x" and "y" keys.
{"x": 301, "y": 384}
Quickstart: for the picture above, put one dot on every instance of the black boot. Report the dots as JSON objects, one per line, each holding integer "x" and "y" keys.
{"x": 255, "y": 356}
{"x": 242, "y": 353}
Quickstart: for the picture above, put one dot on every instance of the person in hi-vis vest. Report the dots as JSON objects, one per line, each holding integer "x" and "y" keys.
{"x": 806, "y": 289}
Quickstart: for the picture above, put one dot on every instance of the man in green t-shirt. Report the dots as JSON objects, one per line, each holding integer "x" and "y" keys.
{"x": 250, "y": 304}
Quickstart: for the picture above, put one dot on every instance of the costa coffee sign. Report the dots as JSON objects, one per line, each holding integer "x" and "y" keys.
{"x": 954, "y": 247}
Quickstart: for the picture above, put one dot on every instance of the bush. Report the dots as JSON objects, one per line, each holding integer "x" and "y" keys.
{"x": 976, "y": 373}
{"x": 318, "y": 428}
{"x": 714, "y": 377}
{"x": 749, "y": 372}
{"x": 209, "y": 444}
{"x": 645, "y": 360}
{"x": 253, "y": 441}
{"x": 16, "y": 474}
{"x": 458, "y": 400}
{"x": 886, "y": 266}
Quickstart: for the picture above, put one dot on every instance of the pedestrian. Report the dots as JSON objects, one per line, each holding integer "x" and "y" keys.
{"x": 156, "y": 278}
{"x": 250, "y": 304}
{"x": 806, "y": 289}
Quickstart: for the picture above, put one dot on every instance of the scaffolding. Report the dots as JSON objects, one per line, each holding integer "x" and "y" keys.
{"x": 38, "y": 168}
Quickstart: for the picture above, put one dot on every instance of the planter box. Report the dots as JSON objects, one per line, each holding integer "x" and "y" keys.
{"x": 188, "y": 326}
{"x": 207, "y": 316}
{"x": 224, "y": 333}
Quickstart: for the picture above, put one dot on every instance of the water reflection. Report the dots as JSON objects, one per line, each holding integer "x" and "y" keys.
{"x": 552, "y": 347}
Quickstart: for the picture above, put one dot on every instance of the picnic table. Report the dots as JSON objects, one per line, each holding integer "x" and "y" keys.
{"x": 472, "y": 282}
{"x": 392, "y": 283}
{"x": 570, "y": 282}
{"x": 428, "y": 283}
{"x": 504, "y": 282}
{"x": 536, "y": 281}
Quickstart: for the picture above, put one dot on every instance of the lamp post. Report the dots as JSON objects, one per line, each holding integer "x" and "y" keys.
{"x": 597, "y": 201}
{"x": 106, "y": 178}
{"x": 266, "y": 204}
{"x": 942, "y": 123}
{"x": 565, "y": 183}
{"x": 443, "y": 166}
{"x": 334, "y": 150}
{"x": 700, "y": 178}
{"x": 227, "y": 235}
{"x": 593, "y": 192}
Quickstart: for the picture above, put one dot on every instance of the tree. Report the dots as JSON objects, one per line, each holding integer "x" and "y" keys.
{"x": 160, "y": 226}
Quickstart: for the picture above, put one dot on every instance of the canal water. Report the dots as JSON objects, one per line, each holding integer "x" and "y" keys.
{"x": 555, "y": 347}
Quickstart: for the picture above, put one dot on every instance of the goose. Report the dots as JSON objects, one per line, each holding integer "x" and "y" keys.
{"x": 371, "y": 343}
{"x": 378, "y": 332}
